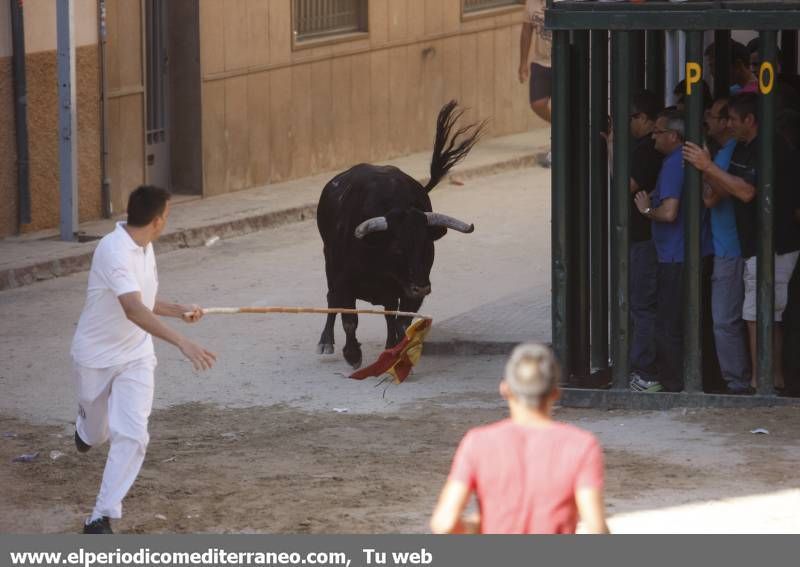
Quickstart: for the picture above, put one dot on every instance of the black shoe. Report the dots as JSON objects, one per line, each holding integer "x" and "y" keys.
{"x": 80, "y": 445}
{"x": 99, "y": 526}
{"x": 747, "y": 391}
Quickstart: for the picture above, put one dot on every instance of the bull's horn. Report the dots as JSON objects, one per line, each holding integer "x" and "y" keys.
{"x": 438, "y": 219}
{"x": 375, "y": 224}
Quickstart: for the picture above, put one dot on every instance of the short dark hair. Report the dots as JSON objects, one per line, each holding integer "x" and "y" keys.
{"x": 755, "y": 44}
{"x": 723, "y": 108}
{"x": 744, "y": 104}
{"x": 739, "y": 52}
{"x": 146, "y": 203}
{"x": 646, "y": 102}
{"x": 680, "y": 90}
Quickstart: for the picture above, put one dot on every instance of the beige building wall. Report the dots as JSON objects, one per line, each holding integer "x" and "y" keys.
{"x": 42, "y": 95}
{"x": 272, "y": 110}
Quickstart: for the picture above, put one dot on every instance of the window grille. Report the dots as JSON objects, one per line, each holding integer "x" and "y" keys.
{"x": 471, "y": 6}
{"x": 321, "y": 18}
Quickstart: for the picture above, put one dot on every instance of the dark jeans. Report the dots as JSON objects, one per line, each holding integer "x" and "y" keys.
{"x": 669, "y": 328}
{"x": 643, "y": 290}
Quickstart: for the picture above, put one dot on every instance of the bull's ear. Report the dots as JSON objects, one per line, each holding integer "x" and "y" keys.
{"x": 436, "y": 232}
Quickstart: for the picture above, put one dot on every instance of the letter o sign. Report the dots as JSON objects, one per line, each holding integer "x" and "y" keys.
{"x": 764, "y": 86}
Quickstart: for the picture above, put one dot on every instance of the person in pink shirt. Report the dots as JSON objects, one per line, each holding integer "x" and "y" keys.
{"x": 529, "y": 473}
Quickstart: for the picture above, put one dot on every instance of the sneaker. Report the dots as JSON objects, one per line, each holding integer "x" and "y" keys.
{"x": 80, "y": 445}
{"x": 739, "y": 390}
{"x": 99, "y": 526}
{"x": 639, "y": 384}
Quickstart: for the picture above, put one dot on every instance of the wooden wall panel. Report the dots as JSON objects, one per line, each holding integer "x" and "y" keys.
{"x": 236, "y": 31}
{"x": 451, "y": 72}
{"x": 129, "y": 39}
{"x": 112, "y": 45}
{"x": 280, "y": 31}
{"x": 434, "y": 16}
{"x": 452, "y": 15}
{"x": 519, "y": 92}
{"x": 378, "y": 22}
{"x": 212, "y": 36}
{"x": 237, "y": 137}
{"x": 469, "y": 76}
{"x": 343, "y": 124}
{"x": 215, "y": 148}
{"x": 433, "y": 86}
{"x": 398, "y": 101}
{"x": 301, "y": 120}
{"x": 398, "y": 20}
{"x": 503, "y": 80}
{"x": 379, "y": 104}
{"x": 321, "y": 116}
{"x": 257, "y": 33}
{"x": 361, "y": 139}
{"x": 280, "y": 115}
{"x": 258, "y": 114}
{"x": 417, "y": 135}
{"x": 416, "y": 19}
{"x": 485, "y": 80}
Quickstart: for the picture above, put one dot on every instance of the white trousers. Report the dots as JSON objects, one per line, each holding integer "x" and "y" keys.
{"x": 114, "y": 403}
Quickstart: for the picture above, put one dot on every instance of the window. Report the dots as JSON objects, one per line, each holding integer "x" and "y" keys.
{"x": 323, "y": 18}
{"x": 471, "y": 6}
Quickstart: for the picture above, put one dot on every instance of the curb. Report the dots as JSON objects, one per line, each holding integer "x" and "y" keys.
{"x": 12, "y": 278}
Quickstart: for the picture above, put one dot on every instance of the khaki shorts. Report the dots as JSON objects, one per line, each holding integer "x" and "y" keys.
{"x": 784, "y": 266}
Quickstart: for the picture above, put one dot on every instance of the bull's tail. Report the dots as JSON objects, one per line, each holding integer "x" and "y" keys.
{"x": 450, "y": 148}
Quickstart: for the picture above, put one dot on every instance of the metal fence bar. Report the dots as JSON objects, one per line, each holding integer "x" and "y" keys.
{"x": 722, "y": 57}
{"x": 67, "y": 120}
{"x": 620, "y": 211}
{"x": 691, "y": 209}
{"x": 560, "y": 187}
{"x": 598, "y": 218}
{"x": 765, "y": 271}
{"x": 654, "y": 79}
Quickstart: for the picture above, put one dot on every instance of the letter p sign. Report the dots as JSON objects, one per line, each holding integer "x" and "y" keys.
{"x": 693, "y": 74}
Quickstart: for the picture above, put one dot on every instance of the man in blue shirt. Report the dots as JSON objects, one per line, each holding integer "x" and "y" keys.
{"x": 727, "y": 283}
{"x": 663, "y": 208}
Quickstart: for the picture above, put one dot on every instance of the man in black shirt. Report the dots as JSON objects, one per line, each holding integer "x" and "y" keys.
{"x": 740, "y": 182}
{"x": 645, "y": 165}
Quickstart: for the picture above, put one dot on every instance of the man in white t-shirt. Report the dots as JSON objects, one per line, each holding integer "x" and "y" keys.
{"x": 112, "y": 351}
{"x": 535, "y": 44}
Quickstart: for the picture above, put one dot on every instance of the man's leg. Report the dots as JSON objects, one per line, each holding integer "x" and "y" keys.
{"x": 643, "y": 288}
{"x": 540, "y": 90}
{"x": 129, "y": 405}
{"x": 727, "y": 296}
{"x": 749, "y": 315}
{"x": 93, "y": 386}
{"x": 784, "y": 268}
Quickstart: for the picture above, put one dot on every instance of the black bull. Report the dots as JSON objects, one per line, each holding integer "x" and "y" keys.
{"x": 378, "y": 230}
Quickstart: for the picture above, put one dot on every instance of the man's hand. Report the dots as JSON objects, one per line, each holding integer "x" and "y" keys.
{"x": 191, "y": 313}
{"x": 608, "y": 137}
{"x": 524, "y": 72}
{"x": 642, "y": 201}
{"x": 200, "y": 358}
{"x": 697, "y": 156}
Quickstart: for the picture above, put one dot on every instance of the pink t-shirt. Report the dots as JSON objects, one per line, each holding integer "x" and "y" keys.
{"x": 525, "y": 478}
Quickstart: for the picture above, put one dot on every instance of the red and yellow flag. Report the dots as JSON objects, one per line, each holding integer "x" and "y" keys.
{"x": 400, "y": 359}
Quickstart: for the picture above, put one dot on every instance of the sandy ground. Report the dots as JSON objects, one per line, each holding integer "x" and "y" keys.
{"x": 256, "y": 445}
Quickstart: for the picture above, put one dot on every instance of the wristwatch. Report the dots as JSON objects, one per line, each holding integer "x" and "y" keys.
{"x": 647, "y": 211}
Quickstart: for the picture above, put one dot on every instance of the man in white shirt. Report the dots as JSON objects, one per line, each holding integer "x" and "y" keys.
{"x": 112, "y": 351}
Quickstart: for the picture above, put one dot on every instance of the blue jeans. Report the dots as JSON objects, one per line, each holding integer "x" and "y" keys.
{"x": 669, "y": 326}
{"x": 730, "y": 333}
{"x": 643, "y": 290}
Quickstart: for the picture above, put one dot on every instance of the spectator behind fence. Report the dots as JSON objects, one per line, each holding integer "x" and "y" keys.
{"x": 645, "y": 165}
{"x": 741, "y": 182}
{"x": 742, "y": 77}
{"x": 664, "y": 210}
{"x": 786, "y": 85}
{"x": 530, "y": 474}
{"x": 727, "y": 285}
{"x": 680, "y": 92}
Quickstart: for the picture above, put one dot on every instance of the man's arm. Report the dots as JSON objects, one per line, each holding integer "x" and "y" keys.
{"x": 446, "y": 517}
{"x": 667, "y": 211}
{"x": 177, "y": 310}
{"x": 592, "y": 510}
{"x": 711, "y": 196}
{"x": 718, "y": 178}
{"x": 524, "y": 50}
{"x": 138, "y": 314}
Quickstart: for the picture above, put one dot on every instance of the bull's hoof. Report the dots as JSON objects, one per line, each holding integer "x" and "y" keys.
{"x": 353, "y": 357}
{"x": 325, "y": 348}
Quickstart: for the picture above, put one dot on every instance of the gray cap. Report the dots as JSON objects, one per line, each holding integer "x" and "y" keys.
{"x": 532, "y": 371}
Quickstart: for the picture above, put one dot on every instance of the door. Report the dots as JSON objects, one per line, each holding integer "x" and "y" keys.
{"x": 157, "y": 161}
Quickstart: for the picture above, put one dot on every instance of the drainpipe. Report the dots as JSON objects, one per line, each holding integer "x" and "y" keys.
{"x": 21, "y": 111}
{"x": 105, "y": 186}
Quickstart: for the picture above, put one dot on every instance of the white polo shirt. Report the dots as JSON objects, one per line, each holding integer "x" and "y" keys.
{"x": 105, "y": 337}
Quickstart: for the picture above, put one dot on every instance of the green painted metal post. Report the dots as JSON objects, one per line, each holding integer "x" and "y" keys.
{"x": 789, "y": 51}
{"x": 654, "y": 80}
{"x": 620, "y": 210}
{"x": 691, "y": 209}
{"x": 722, "y": 53}
{"x": 580, "y": 205}
{"x": 765, "y": 271}
{"x": 560, "y": 187}
{"x": 598, "y": 118}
